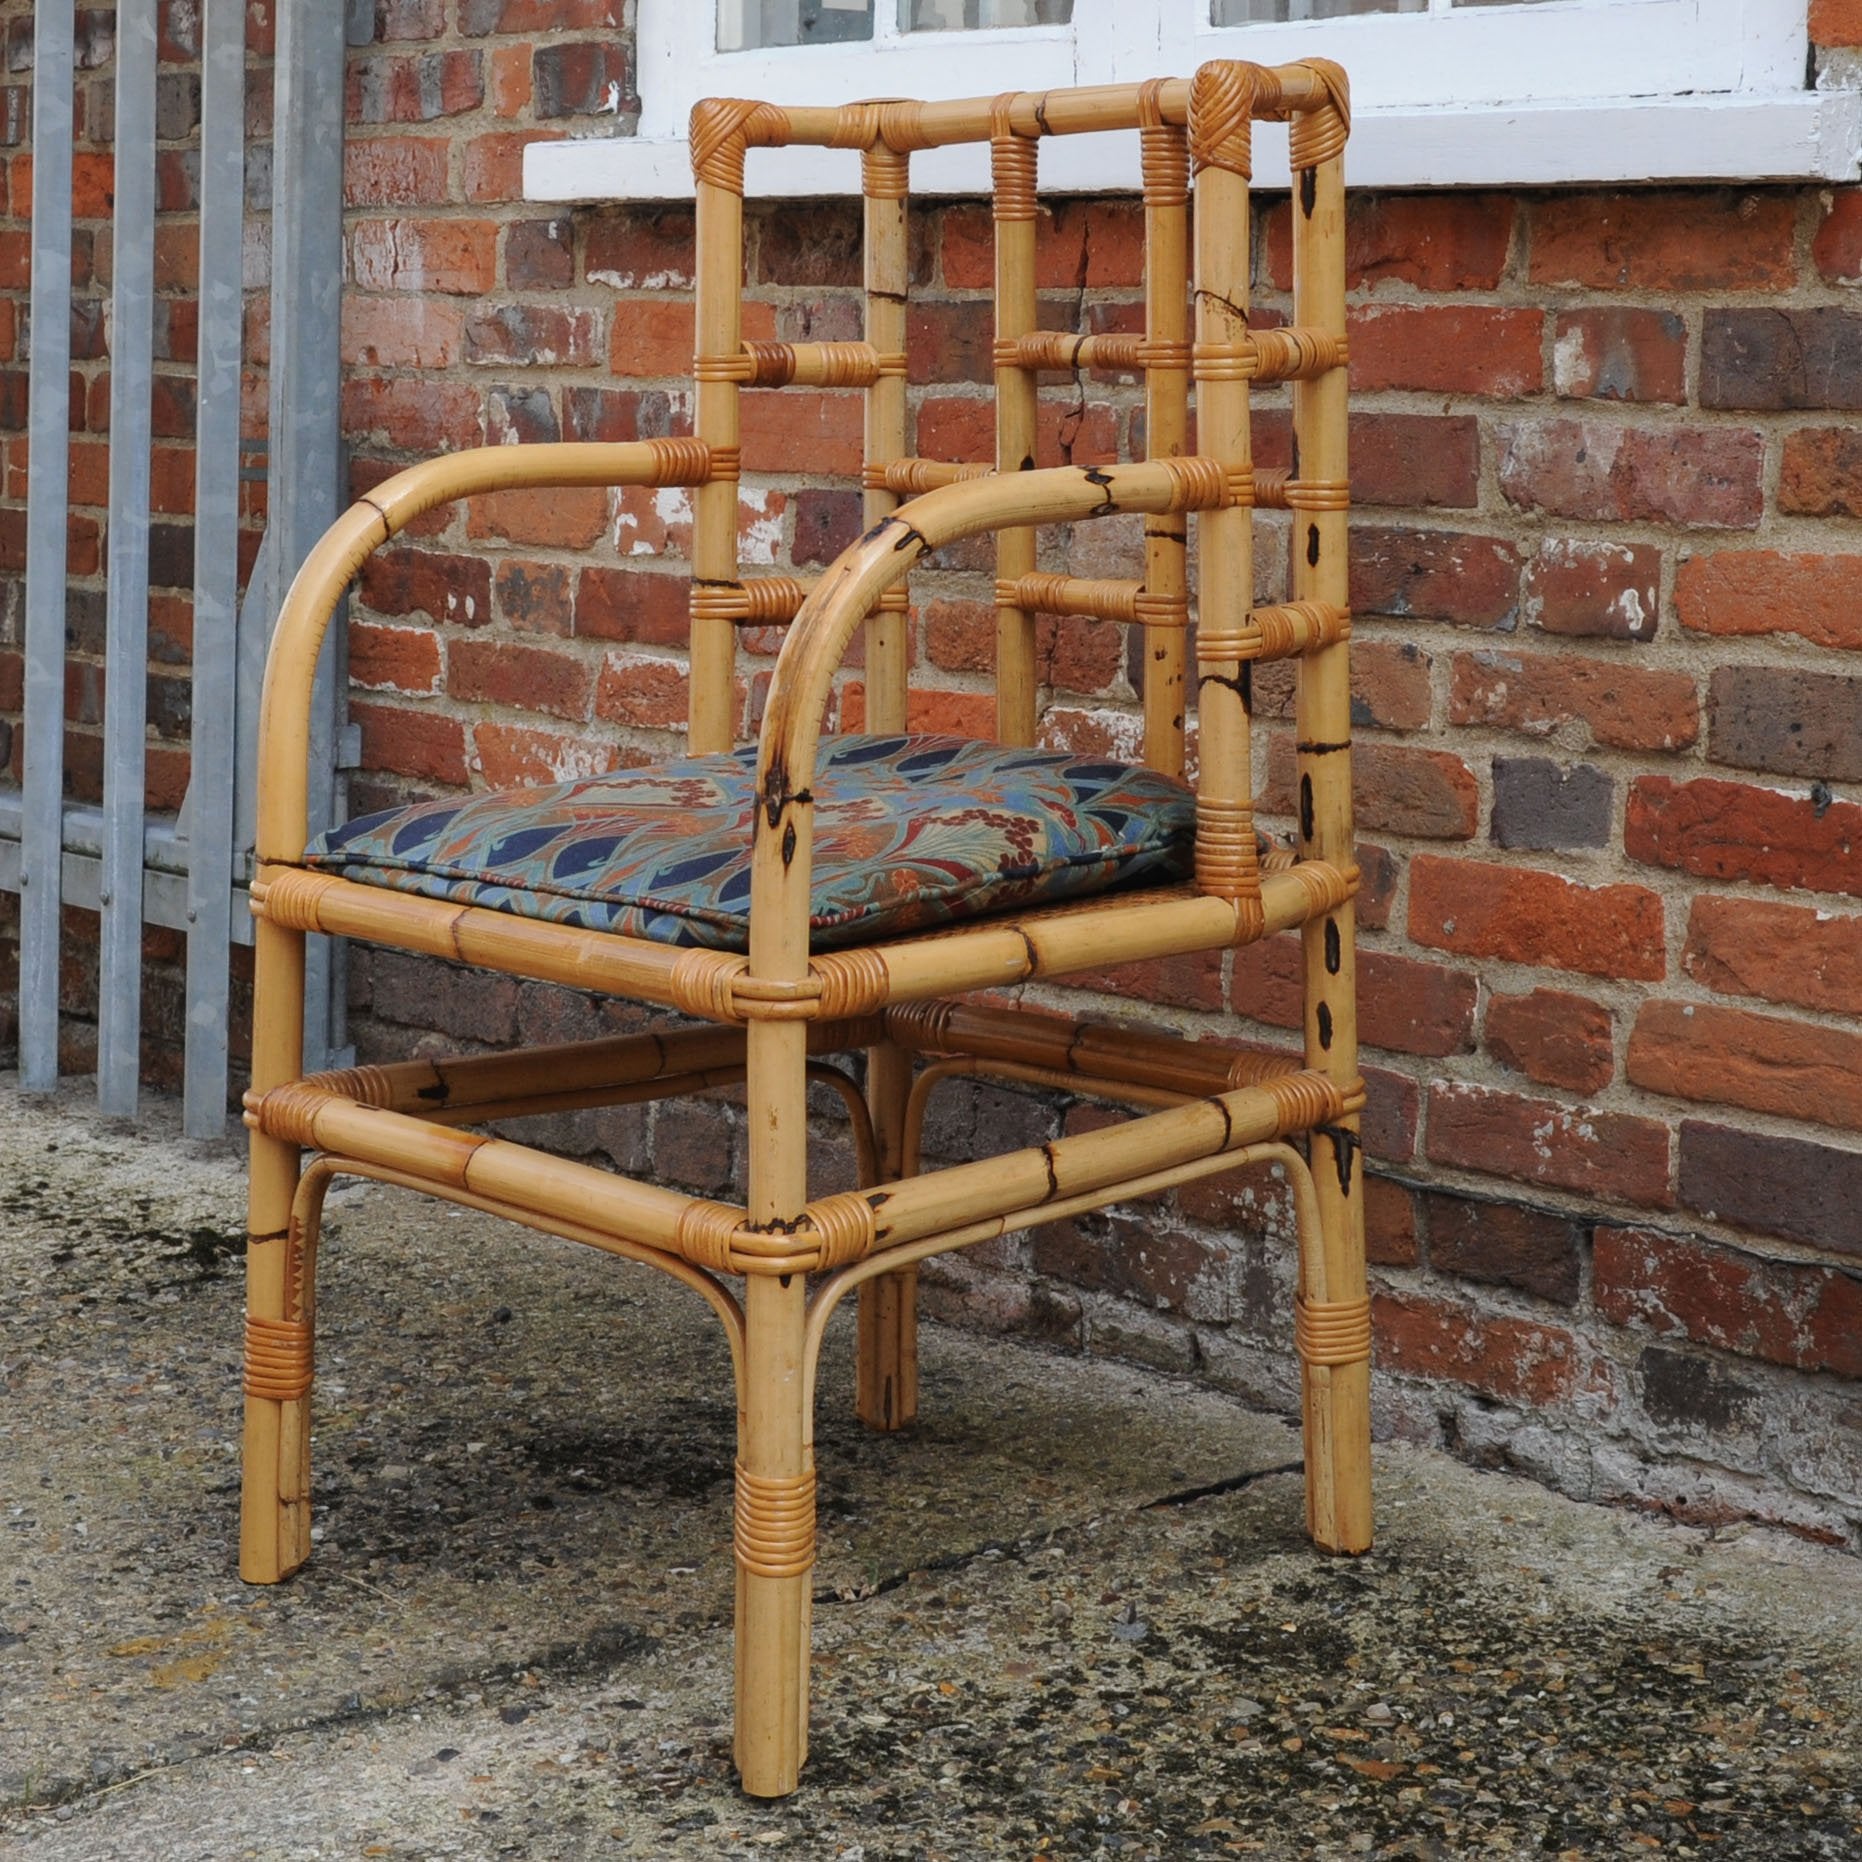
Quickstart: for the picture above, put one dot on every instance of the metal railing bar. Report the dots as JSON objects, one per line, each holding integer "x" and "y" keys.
{"x": 126, "y": 585}
{"x": 47, "y": 492}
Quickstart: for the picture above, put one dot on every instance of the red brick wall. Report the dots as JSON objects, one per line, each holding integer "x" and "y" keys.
{"x": 1609, "y": 731}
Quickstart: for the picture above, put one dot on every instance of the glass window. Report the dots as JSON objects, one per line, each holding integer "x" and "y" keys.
{"x": 750, "y": 25}
{"x": 1281, "y": 12}
{"x": 980, "y": 15}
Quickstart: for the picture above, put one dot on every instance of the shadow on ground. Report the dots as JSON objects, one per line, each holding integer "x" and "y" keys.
{"x": 1071, "y": 1614}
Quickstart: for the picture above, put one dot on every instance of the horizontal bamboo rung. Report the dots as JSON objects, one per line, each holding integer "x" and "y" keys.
{"x": 912, "y": 478}
{"x": 1289, "y": 354}
{"x": 1277, "y": 632}
{"x": 800, "y": 365}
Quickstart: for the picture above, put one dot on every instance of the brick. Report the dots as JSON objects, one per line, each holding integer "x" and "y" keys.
{"x": 1837, "y": 248}
{"x": 569, "y": 520}
{"x": 1781, "y": 953}
{"x": 444, "y": 588}
{"x": 419, "y": 89}
{"x": 401, "y": 333}
{"x": 515, "y": 756}
{"x": 480, "y": 17}
{"x": 1666, "y": 239}
{"x": 1505, "y": 1244}
{"x": 493, "y": 167}
{"x": 536, "y": 597}
{"x": 453, "y": 257}
{"x": 641, "y": 248}
{"x": 1789, "y": 1187}
{"x": 1726, "y": 830}
{"x": 585, "y": 77}
{"x": 1378, "y": 873}
{"x": 1621, "y": 707}
{"x": 540, "y": 255}
{"x": 950, "y": 342}
{"x": 1726, "y": 1056}
{"x": 1612, "y": 1155}
{"x": 1767, "y": 591}
{"x": 1512, "y": 1360}
{"x": 1417, "y": 461}
{"x": 1447, "y": 349}
{"x": 535, "y": 336}
{"x": 1192, "y": 981}
{"x": 527, "y": 678}
{"x": 1435, "y": 575}
{"x": 411, "y": 415}
{"x": 653, "y": 337}
{"x": 520, "y": 415}
{"x": 609, "y": 414}
{"x": 1553, "y": 1037}
{"x": 797, "y": 428}
{"x": 1522, "y": 915}
{"x": 1390, "y": 686}
{"x": 1405, "y": 1006}
{"x": 952, "y": 714}
{"x": 1610, "y": 353}
{"x": 409, "y": 19}
{"x": 1771, "y": 360}
{"x": 1783, "y": 1312}
{"x": 825, "y": 523}
{"x": 401, "y": 659}
{"x": 1430, "y": 794}
{"x": 1435, "y": 241}
{"x": 1789, "y": 723}
{"x": 647, "y": 692}
{"x": 1821, "y": 474}
{"x": 424, "y": 993}
{"x": 1835, "y": 22}
{"x": 1680, "y": 1391}
{"x": 394, "y": 171}
{"x": 1390, "y": 1225}
{"x": 816, "y": 248}
{"x": 512, "y": 90}
{"x": 1710, "y": 478}
{"x": 1579, "y": 588}
{"x": 632, "y": 604}
{"x": 426, "y": 745}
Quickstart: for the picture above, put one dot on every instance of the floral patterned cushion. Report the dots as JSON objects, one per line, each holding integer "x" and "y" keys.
{"x": 910, "y": 833}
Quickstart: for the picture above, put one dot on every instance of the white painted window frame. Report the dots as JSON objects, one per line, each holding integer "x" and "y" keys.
{"x": 1557, "y": 91}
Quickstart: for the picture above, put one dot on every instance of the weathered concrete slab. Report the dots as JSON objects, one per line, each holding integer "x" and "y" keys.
{"x": 514, "y": 1637}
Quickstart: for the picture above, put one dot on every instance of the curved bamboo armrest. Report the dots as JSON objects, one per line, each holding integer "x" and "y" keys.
{"x": 304, "y": 619}
{"x": 840, "y": 601}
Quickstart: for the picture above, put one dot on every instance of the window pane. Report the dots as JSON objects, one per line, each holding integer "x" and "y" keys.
{"x": 968, "y": 15}
{"x": 747, "y": 25}
{"x": 1279, "y": 12}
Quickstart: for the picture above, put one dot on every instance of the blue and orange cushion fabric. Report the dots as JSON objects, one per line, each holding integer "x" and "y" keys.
{"x": 911, "y": 832}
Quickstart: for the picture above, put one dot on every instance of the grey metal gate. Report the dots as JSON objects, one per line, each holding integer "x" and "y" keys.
{"x": 188, "y": 871}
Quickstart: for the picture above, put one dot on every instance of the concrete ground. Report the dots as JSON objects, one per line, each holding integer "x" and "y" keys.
{"x": 1070, "y": 1614}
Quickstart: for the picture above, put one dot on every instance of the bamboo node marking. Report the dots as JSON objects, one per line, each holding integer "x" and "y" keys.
{"x": 1320, "y": 133}
{"x": 279, "y": 1364}
{"x": 1332, "y": 1332}
{"x": 722, "y": 128}
{"x": 1221, "y": 133}
{"x": 702, "y": 984}
{"x": 847, "y": 1227}
{"x": 773, "y": 1526}
{"x": 853, "y": 982}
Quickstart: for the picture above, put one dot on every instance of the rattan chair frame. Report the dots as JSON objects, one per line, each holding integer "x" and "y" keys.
{"x": 774, "y": 1268}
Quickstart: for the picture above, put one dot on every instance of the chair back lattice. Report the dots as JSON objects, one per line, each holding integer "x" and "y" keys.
{"x": 1195, "y": 139}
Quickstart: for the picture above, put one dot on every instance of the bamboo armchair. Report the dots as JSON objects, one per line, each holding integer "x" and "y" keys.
{"x": 775, "y": 1268}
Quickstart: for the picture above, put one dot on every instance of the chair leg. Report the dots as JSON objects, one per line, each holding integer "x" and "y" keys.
{"x": 274, "y": 1523}
{"x": 886, "y": 1363}
{"x": 775, "y": 1540}
{"x": 1335, "y": 1353}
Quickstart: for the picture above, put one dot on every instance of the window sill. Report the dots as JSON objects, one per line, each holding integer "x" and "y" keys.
{"x": 1791, "y": 136}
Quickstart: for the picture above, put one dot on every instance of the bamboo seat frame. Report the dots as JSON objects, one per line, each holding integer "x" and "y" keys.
{"x": 768, "y": 1018}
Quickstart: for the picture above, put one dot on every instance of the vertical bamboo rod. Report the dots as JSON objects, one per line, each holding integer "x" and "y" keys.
{"x": 1013, "y": 163}
{"x": 1336, "y": 1397}
{"x": 274, "y": 1524}
{"x": 887, "y": 278}
{"x": 886, "y": 1364}
{"x": 718, "y": 320}
{"x": 1221, "y": 98}
{"x": 1166, "y": 418}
